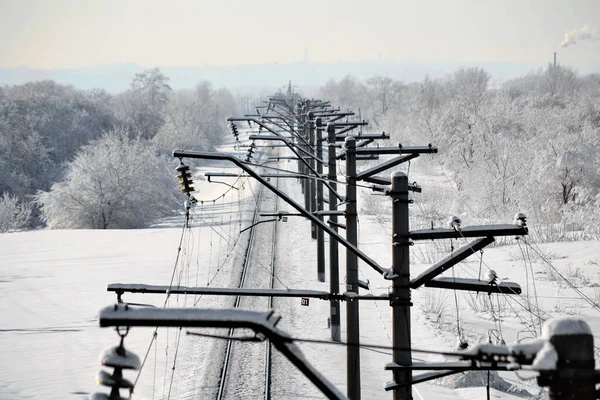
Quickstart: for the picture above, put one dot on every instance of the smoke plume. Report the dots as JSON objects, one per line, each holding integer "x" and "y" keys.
{"x": 578, "y": 35}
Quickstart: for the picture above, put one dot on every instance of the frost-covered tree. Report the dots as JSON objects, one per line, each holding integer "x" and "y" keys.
{"x": 143, "y": 106}
{"x": 195, "y": 118}
{"x": 348, "y": 93}
{"x": 14, "y": 213}
{"x": 114, "y": 182}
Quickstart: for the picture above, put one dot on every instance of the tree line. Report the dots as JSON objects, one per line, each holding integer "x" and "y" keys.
{"x": 529, "y": 144}
{"x": 73, "y": 158}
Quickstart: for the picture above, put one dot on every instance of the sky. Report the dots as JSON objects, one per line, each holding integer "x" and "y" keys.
{"x": 150, "y": 33}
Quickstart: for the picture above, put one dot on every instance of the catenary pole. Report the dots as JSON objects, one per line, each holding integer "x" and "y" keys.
{"x": 334, "y": 273}
{"x": 319, "y": 198}
{"x": 352, "y": 315}
{"x": 400, "y": 296}
{"x": 312, "y": 182}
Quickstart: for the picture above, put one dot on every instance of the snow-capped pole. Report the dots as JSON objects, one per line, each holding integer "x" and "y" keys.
{"x": 566, "y": 362}
{"x": 118, "y": 358}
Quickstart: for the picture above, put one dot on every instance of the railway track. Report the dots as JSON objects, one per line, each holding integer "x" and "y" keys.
{"x": 268, "y": 347}
{"x": 238, "y": 376}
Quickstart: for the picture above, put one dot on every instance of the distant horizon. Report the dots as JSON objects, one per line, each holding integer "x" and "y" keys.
{"x": 337, "y": 62}
{"x": 309, "y": 75}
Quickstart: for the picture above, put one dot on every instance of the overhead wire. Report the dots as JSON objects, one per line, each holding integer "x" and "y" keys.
{"x": 155, "y": 333}
{"x": 371, "y": 291}
{"x": 579, "y": 292}
{"x": 361, "y": 345}
{"x": 234, "y": 248}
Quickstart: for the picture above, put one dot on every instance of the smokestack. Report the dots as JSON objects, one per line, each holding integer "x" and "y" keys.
{"x": 554, "y": 59}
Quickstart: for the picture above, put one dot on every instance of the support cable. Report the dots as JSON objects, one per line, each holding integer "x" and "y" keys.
{"x": 583, "y": 295}
{"x": 509, "y": 298}
{"x": 174, "y": 361}
{"x": 254, "y": 338}
{"x": 155, "y": 333}
{"x": 371, "y": 291}
{"x": 529, "y": 267}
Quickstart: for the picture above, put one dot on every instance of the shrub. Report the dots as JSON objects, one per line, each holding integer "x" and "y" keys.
{"x": 14, "y": 213}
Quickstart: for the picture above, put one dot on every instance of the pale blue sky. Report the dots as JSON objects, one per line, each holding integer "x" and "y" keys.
{"x": 62, "y": 33}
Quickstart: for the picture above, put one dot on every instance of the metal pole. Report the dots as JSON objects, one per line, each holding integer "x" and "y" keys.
{"x": 305, "y": 133}
{"x": 312, "y": 182}
{"x": 334, "y": 272}
{"x": 319, "y": 198}
{"x": 575, "y": 375}
{"x": 400, "y": 291}
{"x": 298, "y": 126}
{"x": 352, "y": 317}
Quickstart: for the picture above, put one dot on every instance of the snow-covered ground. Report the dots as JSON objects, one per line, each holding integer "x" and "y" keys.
{"x": 53, "y": 283}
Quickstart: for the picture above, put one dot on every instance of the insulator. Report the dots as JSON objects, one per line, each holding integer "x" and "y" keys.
{"x": 119, "y": 359}
{"x": 461, "y": 343}
{"x": 520, "y": 219}
{"x": 491, "y": 276}
{"x": 454, "y": 222}
{"x": 233, "y": 129}
{"x": 185, "y": 178}
{"x": 115, "y": 380}
{"x": 104, "y": 396}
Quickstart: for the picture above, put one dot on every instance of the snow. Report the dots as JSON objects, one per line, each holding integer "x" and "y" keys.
{"x": 53, "y": 284}
{"x": 565, "y": 326}
{"x": 486, "y": 349}
{"x": 119, "y": 357}
{"x": 397, "y": 174}
{"x": 546, "y": 358}
{"x": 527, "y": 349}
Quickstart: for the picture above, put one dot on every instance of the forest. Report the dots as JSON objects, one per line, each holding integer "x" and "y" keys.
{"x": 89, "y": 159}
{"x": 74, "y": 158}
{"x": 528, "y": 145}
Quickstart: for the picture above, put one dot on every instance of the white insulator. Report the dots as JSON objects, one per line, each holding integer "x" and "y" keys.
{"x": 491, "y": 276}
{"x": 454, "y": 222}
{"x": 520, "y": 219}
{"x": 461, "y": 343}
{"x": 118, "y": 357}
{"x": 106, "y": 379}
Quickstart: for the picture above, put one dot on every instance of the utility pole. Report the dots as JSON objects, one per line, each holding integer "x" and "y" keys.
{"x": 312, "y": 182}
{"x": 400, "y": 293}
{"x": 574, "y": 376}
{"x": 318, "y": 123}
{"x": 352, "y": 309}
{"x": 334, "y": 272}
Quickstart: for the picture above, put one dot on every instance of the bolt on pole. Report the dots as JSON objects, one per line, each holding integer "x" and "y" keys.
{"x": 400, "y": 290}
{"x": 352, "y": 310}
{"x": 334, "y": 272}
